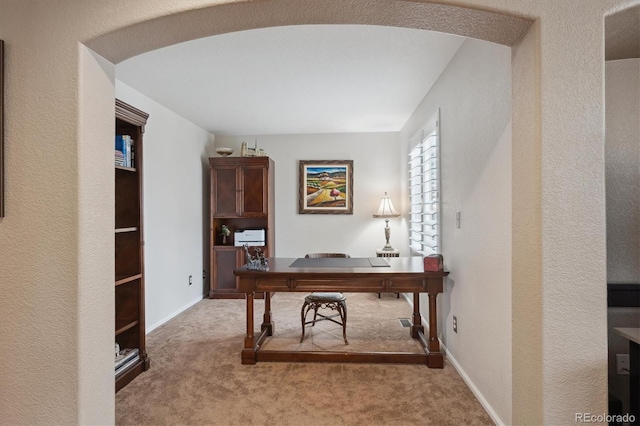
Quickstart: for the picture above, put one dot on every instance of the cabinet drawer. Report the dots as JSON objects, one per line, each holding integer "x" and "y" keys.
{"x": 272, "y": 285}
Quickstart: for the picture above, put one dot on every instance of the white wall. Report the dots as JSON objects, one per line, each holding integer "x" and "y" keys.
{"x": 560, "y": 115}
{"x": 622, "y": 164}
{"x": 376, "y": 168}
{"x": 174, "y": 206}
{"x": 622, "y": 150}
{"x": 474, "y": 97}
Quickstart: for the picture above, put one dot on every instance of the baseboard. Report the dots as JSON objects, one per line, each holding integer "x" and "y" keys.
{"x": 488, "y": 408}
{"x": 150, "y": 328}
{"x": 476, "y": 392}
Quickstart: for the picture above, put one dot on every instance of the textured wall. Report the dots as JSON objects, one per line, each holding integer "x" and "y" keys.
{"x": 527, "y": 357}
{"x": 573, "y": 216}
{"x": 623, "y": 170}
{"x": 40, "y": 262}
{"x": 623, "y": 202}
{"x": 96, "y": 301}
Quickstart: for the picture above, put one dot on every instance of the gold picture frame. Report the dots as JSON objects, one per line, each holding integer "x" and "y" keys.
{"x": 325, "y": 187}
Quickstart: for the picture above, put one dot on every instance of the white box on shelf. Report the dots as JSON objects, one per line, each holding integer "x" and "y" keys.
{"x": 252, "y": 237}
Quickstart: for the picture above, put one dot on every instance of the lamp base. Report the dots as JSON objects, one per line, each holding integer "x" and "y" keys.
{"x": 387, "y": 253}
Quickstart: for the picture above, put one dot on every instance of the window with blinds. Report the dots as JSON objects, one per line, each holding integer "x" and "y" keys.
{"x": 424, "y": 189}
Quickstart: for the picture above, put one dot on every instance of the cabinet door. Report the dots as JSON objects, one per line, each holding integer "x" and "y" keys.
{"x": 225, "y": 191}
{"x": 254, "y": 191}
{"x": 225, "y": 260}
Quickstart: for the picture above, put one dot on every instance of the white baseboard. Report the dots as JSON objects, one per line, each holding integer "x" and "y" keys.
{"x": 476, "y": 392}
{"x": 150, "y": 328}
{"x": 489, "y": 409}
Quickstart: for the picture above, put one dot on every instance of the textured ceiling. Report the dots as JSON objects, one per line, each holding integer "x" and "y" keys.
{"x": 295, "y": 79}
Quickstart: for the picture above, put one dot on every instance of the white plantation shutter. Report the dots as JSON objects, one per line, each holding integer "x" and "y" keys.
{"x": 424, "y": 189}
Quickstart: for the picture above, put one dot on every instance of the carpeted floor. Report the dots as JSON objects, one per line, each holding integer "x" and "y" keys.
{"x": 196, "y": 377}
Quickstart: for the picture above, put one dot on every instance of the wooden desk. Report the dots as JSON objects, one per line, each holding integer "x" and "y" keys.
{"x": 404, "y": 275}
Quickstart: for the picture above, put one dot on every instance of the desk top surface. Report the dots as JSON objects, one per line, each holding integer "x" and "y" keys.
{"x": 632, "y": 334}
{"x": 397, "y": 266}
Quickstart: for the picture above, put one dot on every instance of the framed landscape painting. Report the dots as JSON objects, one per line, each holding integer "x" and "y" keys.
{"x": 326, "y": 186}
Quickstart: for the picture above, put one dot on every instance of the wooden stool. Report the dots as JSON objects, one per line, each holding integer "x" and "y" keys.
{"x": 333, "y": 301}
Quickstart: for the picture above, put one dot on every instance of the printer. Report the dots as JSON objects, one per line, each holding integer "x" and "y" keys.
{"x": 252, "y": 237}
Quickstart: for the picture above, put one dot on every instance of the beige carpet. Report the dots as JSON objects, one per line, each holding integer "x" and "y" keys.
{"x": 196, "y": 376}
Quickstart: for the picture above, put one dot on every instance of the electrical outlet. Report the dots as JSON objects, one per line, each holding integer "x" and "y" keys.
{"x": 190, "y": 279}
{"x": 622, "y": 364}
{"x": 458, "y": 220}
{"x": 455, "y": 324}
{"x": 204, "y": 274}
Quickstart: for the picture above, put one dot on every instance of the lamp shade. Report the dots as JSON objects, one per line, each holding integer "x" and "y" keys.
{"x": 386, "y": 208}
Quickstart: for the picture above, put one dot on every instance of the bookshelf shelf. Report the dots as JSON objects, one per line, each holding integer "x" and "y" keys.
{"x": 126, "y": 169}
{"x": 130, "y": 373}
{"x": 130, "y": 229}
{"x": 125, "y": 327}
{"x": 124, "y": 370}
{"x": 129, "y": 240}
{"x": 127, "y": 279}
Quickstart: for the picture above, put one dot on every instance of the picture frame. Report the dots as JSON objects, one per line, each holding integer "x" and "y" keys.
{"x": 325, "y": 187}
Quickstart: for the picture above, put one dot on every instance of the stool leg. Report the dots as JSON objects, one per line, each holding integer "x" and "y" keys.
{"x": 303, "y": 316}
{"x": 343, "y": 312}
{"x": 315, "y": 314}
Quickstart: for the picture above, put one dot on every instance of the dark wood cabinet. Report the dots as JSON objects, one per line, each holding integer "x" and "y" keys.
{"x": 223, "y": 258}
{"x": 129, "y": 253}
{"x": 242, "y": 197}
{"x": 239, "y": 189}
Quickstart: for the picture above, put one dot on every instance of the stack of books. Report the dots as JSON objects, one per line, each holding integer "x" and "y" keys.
{"x": 125, "y": 359}
{"x": 119, "y": 158}
{"x": 124, "y": 146}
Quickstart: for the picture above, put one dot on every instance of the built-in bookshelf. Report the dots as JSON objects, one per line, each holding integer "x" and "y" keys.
{"x": 129, "y": 241}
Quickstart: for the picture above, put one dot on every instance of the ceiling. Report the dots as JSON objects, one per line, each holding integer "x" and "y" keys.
{"x": 295, "y": 79}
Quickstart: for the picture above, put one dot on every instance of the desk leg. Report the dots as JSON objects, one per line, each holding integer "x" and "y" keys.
{"x": 435, "y": 359}
{"x": 267, "y": 322}
{"x": 249, "y": 351}
{"x": 417, "y": 318}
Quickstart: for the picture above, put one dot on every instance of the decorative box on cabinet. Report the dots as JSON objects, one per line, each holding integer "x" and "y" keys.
{"x": 129, "y": 241}
{"x": 242, "y": 197}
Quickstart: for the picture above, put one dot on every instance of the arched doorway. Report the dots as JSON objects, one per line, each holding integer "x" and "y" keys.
{"x": 119, "y": 45}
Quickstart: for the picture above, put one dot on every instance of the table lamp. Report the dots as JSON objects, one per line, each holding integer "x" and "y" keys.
{"x": 385, "y": 211}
